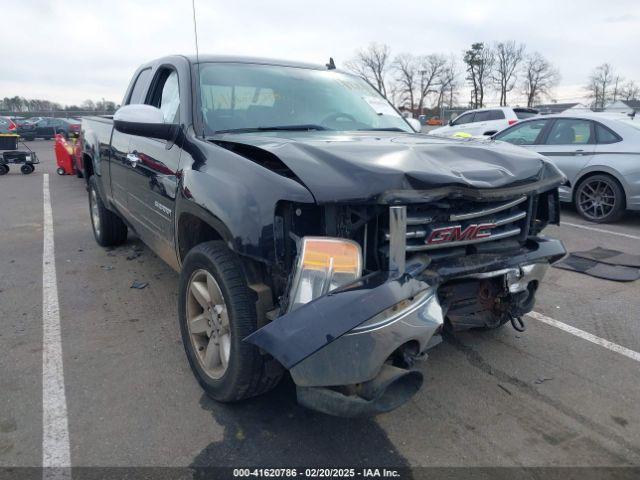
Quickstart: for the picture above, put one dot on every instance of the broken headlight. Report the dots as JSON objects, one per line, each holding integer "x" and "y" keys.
{"x": 323, "y": 264}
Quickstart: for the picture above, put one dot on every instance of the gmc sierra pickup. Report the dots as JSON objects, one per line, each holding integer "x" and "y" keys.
{"x": 313, "y": 228}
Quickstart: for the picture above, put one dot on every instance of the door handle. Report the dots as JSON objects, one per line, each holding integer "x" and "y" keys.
{"x": 133, "y": 159}
{"x": 579, "y": 152}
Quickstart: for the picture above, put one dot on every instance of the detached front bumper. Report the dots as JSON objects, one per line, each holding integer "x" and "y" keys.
{"x": 345, "y": 337}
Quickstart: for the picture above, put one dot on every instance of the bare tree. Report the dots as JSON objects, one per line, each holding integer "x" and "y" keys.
{"x": 372, "y": 64}
{"x": 630, "y": 91}
{"x": 599, "y": 82}
{"x": 448, "y": 84}
{"x": 539, "y": 77}
{"x": 406, "y": 68}
{"x": 431, "y": 68}
{"x": 508, "y": 56}
{"x": 479, "y": 60}
{"x": 617, "y": 88}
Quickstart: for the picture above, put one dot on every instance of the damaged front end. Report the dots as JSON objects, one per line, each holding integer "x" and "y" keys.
{"x": 372, "y": 286}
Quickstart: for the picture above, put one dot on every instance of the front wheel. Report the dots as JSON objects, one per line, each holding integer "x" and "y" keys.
{"x": 4, "y": 169}
{"x": 216, "y": 312}
{"x": 599, "y": 199}
{"x": 108, "y": 228}
{"x": 27, "y": 169}
{"x": 60, "y": 171}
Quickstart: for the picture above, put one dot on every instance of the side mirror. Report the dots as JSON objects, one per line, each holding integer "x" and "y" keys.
{"x": 450, "y": 123}
{"x": 415, "y": 124}
{"x": 144, "y": 121}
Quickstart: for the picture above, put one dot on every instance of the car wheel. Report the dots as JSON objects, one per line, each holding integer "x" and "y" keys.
{"x": 600, "y": 199}
{"x": 216, "y": 312}
{"x": 4, "y": 169}
{"x": 27, "y": 169}
{"x": 108, "y": 228}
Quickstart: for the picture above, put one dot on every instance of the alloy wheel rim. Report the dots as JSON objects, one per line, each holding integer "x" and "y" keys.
{"x": 95, "y": 214}
{"x": 596, "y": 199}
{"x": 208, "y": 323}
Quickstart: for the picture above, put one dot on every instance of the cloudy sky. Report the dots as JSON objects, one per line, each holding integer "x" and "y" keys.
{"x": 68, "y": 51}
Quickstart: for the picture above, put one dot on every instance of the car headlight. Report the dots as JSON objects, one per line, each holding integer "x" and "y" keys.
{"x": 323, "y": 264}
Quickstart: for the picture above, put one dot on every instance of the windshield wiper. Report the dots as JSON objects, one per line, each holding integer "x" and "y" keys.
{"x": 275, "y": 128}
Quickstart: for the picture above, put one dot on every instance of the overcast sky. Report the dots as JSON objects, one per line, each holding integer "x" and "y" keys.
{"x": 68, "y": 51}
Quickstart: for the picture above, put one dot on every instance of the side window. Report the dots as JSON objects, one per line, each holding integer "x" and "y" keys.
{"x": 527, "y": 133}
{"x": 488, "y": 115}
{"x": 166, "y": 95}
{"x": 604, "y": 135}
{"x": 570, "y": 131}
{"x": 139, "y": 88}
{"x": 466, "y": 118}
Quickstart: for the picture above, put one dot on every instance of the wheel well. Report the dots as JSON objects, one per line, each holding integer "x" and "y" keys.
{"x": 87, "y": 165}
{"x": 592, "y": 174}
{"x": 192, "y": 231}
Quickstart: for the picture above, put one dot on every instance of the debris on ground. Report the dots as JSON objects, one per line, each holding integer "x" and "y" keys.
{"x": 139, "y": 285}
{"x": 135, "y": 253}
{"x": 106, "y": 267}
{"x": 540, "y": 380}
{"x": 505, "y": 389}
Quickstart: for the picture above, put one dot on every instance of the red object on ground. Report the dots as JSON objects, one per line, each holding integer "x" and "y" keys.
{"x": 64, "y": 155}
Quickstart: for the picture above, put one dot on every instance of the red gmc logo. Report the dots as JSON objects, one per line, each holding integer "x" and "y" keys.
{"x": 456, "y": 234}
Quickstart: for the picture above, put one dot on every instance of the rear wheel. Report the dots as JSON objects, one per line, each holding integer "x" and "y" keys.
{"x": 216, "y": 312}
{"x": 4, "y": 169}
{"x": 600, "y": 199}
{"x": 27, "y": 169}
{"x": 108, "y": 228}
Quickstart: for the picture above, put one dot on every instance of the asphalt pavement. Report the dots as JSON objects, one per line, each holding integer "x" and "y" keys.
{"x": 545, "y": 397}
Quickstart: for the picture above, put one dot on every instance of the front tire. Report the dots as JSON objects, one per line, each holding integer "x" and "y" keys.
{"x": 216, "y": 312}
{"x": 108, "y": 228}
{"x": 4, "y": 169}
{"x": 600, "y": 199}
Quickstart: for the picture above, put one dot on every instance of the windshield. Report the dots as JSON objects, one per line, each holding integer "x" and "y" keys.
{"x": 246, "y": 97}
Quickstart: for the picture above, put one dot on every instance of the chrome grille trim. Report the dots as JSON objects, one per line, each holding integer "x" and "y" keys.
{"x": 483, "y": 213}
{"x": 510, "y": 219}
{"x": 496, "y": 236}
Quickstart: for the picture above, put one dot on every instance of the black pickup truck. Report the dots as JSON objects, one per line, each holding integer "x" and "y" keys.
{"x": 314, "y": 229}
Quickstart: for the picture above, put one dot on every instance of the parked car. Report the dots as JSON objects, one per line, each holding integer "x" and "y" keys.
{"x": 314, "y": 230}
{"x": 484, "y": 121}
{"x": 434, "y": 121}
{"x": 26, "y": 128}
{"x": 7, "y": 126}
{"x": 598, "y": 152}
{"x": 48, "y": 127}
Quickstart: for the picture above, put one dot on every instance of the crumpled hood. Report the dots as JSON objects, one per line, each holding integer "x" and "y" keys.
{"x": 355, "y": 166}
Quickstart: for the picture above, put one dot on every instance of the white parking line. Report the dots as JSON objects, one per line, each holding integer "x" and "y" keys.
{"x": 56, "y": 457}
{"x": 601, "y": 230}
{"x": 614, "y": 347}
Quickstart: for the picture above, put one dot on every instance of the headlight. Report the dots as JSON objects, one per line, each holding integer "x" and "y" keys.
{"x": 323, "y": 264}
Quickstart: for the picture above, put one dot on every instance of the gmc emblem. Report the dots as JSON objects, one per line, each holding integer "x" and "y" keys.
{"x": 456, "y": 234}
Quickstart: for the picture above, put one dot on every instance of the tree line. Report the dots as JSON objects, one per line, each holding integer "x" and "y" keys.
{"x": 25, "y": 105}
{"x": 436, "y": 80}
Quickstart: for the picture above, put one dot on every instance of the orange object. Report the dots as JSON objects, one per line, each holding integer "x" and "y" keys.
{"x": 434, "y": 121}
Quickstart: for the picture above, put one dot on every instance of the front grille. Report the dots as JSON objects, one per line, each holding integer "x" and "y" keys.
{"x": 452, "y": 223}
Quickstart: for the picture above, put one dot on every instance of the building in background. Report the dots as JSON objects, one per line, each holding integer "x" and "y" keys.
{"x": 628, "y": 107}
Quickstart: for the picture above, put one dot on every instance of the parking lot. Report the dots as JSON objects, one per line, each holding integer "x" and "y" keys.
{"x": 546, "y": 397}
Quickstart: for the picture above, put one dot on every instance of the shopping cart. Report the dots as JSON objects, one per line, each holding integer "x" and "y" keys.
{"x": 11, "y": 155}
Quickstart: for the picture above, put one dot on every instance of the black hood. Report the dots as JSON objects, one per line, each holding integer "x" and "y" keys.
{"x": 368, "y": 166}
